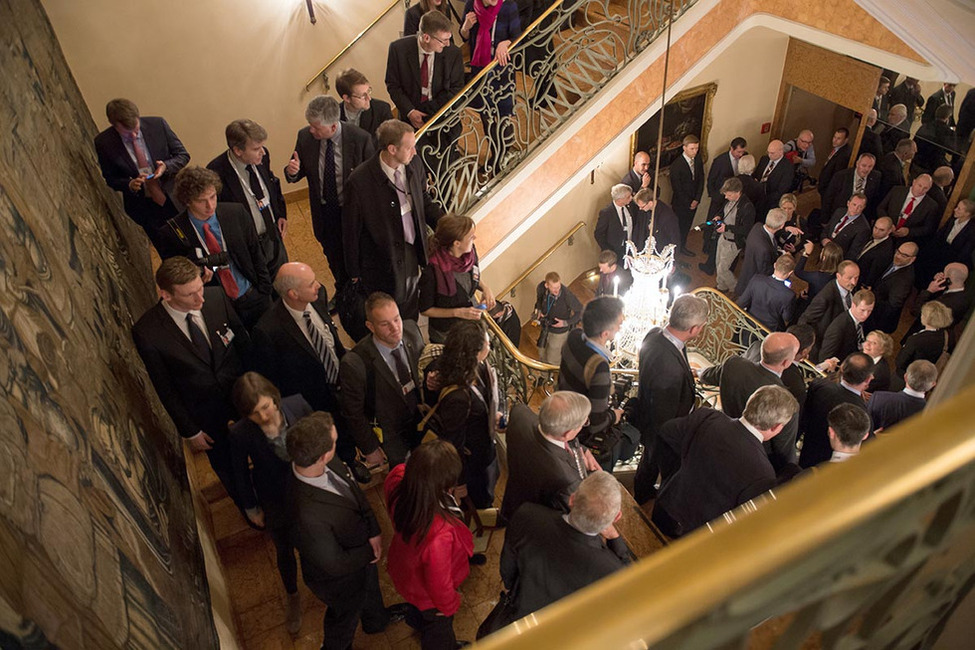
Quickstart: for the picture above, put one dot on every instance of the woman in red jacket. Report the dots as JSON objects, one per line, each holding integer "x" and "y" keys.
{"x": 428, "y": 557}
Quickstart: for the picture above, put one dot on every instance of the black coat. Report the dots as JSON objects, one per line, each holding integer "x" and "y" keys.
{"x": 744, "y": 218}
{"x": 841, "y": 188}
{"x": 610, "y": 235}
{"x": 721, "y": 170}
{"x": 370, "y": 119}
{"x": 841, "y": 338}
{"x": 193, "y": 390}
{"x": 938, "y": 253}
{"x": 935, "y": 101}
{"x": 687, "y": 188}
{"x": 923, "y": 221}
{"x": 403, "y": 77}
{"x": 759, "y": 256}
{"x": 891, "y": 294}
{"x": 926, "y": 344}
{"x": 666, "y": 229}
{"x": 871, "y": 143}
{"x": 824, "y": 308}
{"x": 635, "y": 182}
{"x": 769, "y": 301}
{"x": 778, "y": 183}
{"x": 754, "y": 190}
{"x": 822, "y": 397}
{"x": 874, "y": 262}
{"x": 284, "y": 355}
{"x": 835, "y": 163}
{"x": 881, "y": 376}
{"x": 891, "y": 174}
{"x": 856, "y": 232}
{"x": 888, "y": 408}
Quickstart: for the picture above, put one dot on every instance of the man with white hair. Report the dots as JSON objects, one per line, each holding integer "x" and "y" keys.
{"x": 887, "y": 408}
{"x": 801, "y": 153}
{"x": 871, "y": 142}
{"x": 776, "y": 178}
{"x": 620, "y": 221}
{"x": 550, "y": 555}
{"x": 898, "y": 127}
{"x": 760, "y": 248}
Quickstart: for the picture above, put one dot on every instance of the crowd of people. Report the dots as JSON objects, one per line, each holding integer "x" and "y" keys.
{"x": 247, "y": 360}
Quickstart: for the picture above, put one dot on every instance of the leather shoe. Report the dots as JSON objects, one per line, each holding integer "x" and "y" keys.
{"x": 397, "y": 612}
{"x": 706, "y": 268}
{"x": 361, "y": 472}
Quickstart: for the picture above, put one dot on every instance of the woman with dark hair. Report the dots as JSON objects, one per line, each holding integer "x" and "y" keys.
{"x": 430, "y": 550}
{"x": 259, "y": 437}
{"x": 411, "y": 21}
{"x": 829, "y": 259}
{"x": 448, "y": 282}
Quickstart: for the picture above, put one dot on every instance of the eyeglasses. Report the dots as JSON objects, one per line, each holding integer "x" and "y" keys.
{"x": 368, "y": 93}
{"x": 442, "y": 41}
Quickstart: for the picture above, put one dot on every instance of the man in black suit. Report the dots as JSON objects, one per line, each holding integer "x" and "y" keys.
{"x": 666, "y": 229}
{"x": 948, "y": 288}
{"x": 619, "y": 222}
{"x": 326, "y": 153}
{"x": 824, "y": 394}
{"x": 776, "y": 176}
{"x": 735, "y": 216}
{"x": 838, "y": 159}
{"x": 546, "y": 463}
{"x": 935, "y": 142}
{"x": 666, "y": 388}
{"x": 548, "y": 555}
{"x": 139, "y": 157}
{"x": 194, "y": 348}
{"x": 876, "y": 255}
{"x": 379, "y": 384}
{"x": 897, "y": 128}
{"x": 639, "y": 175}
{"x": 724, "y": 167}
{"x": 387, "y": 211}
{"x": 738, "y": 378}
{"x": 893, "y": 289}
{"x": 845, "y": 335}
{"x": 941, "y": 180}
{"x": 336, "y": 533}
{"x": 953, "y": 243}
{"x": 887, "y": 408}
{"x": 914, "y": 214}
{"x": 245, "y": 171}
{"x": 770, "y": 298}
{"x": 792, "y": 377}
{"x": 723, "y": 463}
{"x": 848, "y": 228}
{"x": 848, "y": 427}
{"x": 870, "y": 141}
{"x": 966, "y": 117}
{"x": 835, "y": 298}
{"x": 907, "y": 93}
{"x": 687, "y": 182}
{"x": 221, "y": 238}
{"x": 861, "y": 178}
{"x": 613, "y": 280}
{"x": 358, "y": 106}
{"x": 761, "y": 250}
{"x": 881, "y": 101}
{"x": 943, "y": 97}
{"x": 895, "y": 167}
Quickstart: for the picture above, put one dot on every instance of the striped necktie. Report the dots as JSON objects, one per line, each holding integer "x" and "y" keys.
{"x": 325, "y": 353}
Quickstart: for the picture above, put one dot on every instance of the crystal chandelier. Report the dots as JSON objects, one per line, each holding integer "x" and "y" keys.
{"x": 646, "y": 301}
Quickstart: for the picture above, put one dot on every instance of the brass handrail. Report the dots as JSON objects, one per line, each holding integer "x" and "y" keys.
{"x": 519, "y": 356}
{"x": 355, "y": 40}
{"x": 542, "y": 259}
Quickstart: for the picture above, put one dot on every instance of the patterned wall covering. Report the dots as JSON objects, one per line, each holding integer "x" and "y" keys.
{"x": 98, "y": 543}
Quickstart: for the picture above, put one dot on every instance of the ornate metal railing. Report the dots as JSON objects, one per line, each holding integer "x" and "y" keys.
{"x": 504, "y": 113}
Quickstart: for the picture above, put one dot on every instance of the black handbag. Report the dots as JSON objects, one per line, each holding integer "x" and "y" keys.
{"x": 350, "y": 302}
{"x": 503, "y": 614}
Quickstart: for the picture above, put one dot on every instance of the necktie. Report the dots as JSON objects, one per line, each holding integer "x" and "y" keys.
{"x": 848, "y": 300}
{"x": 255, "y": 183}
{"x": 409, "y": 232}
{"x": 690, "y": 163}
{"x": 908, "y": 209}
{"x": 768, "y": 170}
{"x": 325, "y": 354}
{"x": 330, "y": 190}
{"x": 405, "y": 376}
{"x": 339, "y": 484}
{"x": 870, "y": 244}
{"x": 223, "y": 274}
{"x": 890, "y": 270}
{"x": 858, "y": 185}
{"x": 142, "y": 160}
{"x": 840, "y": 225}
{"x": 197, "y": 338}
{"x": 575, "y": 460}
{"x": 734, "y": 164}
{"x": 425, "y": 77}
{"x": 624, "y": 221}
{"x": 860, "y": 338}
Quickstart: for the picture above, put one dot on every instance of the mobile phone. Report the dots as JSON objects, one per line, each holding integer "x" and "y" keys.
{"x": 150, "y": 176}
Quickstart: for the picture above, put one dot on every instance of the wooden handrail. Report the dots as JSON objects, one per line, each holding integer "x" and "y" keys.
{"x": 351, "y": 43}
{"x": 541, "y": 259}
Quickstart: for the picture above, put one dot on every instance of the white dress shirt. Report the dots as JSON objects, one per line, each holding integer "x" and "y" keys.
{"x": 179, "y": 317}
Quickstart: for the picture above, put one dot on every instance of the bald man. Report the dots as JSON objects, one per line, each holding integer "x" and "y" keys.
{"x": 639, "y": 176}
{"x": 775, "y": 178}
{"x": 893, "y": 289}
{"x": 915, "y": 215}
{"x": 801, "y": 153}
{"x": 948, "y": 288}
{"x": 877, "y": 254}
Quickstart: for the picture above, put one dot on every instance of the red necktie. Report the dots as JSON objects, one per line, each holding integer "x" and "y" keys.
{"x": 226, "y": 277}
{"x": 152, "y": 185}
{"x": 424, "y": 77}
{"x": 841, "y": 225}
{"x": 908, "y": 209}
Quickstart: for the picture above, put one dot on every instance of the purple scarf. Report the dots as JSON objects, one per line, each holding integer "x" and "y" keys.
{"x": 485, "y": 26}
{"x": 445, "y": 265}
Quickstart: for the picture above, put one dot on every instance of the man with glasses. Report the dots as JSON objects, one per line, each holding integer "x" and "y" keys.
{"x": 801, "y": 153}
{"x": 358, "y": 105}
{"x": 893, "y": 289}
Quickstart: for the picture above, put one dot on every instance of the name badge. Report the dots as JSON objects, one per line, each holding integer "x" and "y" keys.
{"x": 226, "y": 336}
{"x": 263, "y": 204}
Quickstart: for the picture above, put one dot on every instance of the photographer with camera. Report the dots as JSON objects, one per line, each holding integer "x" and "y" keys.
{"x": 221, "y": 240}
{"x": 557, "y": 310}
{"x": 731, "y": 219}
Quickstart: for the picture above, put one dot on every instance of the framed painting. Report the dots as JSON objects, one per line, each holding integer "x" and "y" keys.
{"x": 687, "y": 113}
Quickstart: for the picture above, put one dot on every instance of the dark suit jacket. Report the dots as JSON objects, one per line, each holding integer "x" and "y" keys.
{"x": 891, "y": 294}
{"x": 284, "y": 355}
{"x": 759, "y": 256}
{"x": 118, "y": 168}
{"x": 769, "y": 301}
{"x": 403, "y": 77}
{"x": 548, "y": 559}
{"x": 874, "y": 262}
{"x": 840, "y": 338}
{"x": 239, "y": 240}
{"x": 881, "y": 376}
{"x": 841, "y": 189}
{"x": 937, "y": 194}
{"x": 744, "y": 219}
{"x": 966, "y": 117}
{"x": 891, "y": 135}
{"x": 722, "y": 465}
{"x": 792, "y": 377}
{"x": 891, "y": 174}
{"x": 871, "y": 143}
{"x": 959, "y": 302}
{"x": 926, "y": 344}
{"x": 854, "y": 235}
{"x": 194, "y": 391}
{"x": 778, "y": 183}
{"x": 822, "y": 397}
{"x": 888, "y": 408}
{"x": 686, "y": 188}
{"x": 837, "y": 162}
{"x": 924, "y": 219}
{"x": 938, "y": 99}
{"x": 938, "y": 253}
{"x": 357, "y": 147}
{"x": 635, "y": 182}
{"x": 721, "y": 170}
{"x": 370, "y": 119}
{"x": 267, "y": 483}
{"x": 371, "y": 392}
{"x": 751, "y": 188}
{"x": 609, "y": 232}
{"x": 909, "y": 97}
{"x": 824, "y": 308}
{"x": 372, "y": 228}
{"x": 332, "y": 535}
{"x": 666, "y": 229}
{"x": 538, "y": 471}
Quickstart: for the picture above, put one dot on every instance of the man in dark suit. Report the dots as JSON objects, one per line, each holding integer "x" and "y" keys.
{"x": 613, "y": 279}
{"x": 139, "y": 157}
{"x": 194, "y": 348}
{"x": 870, "y": 141}
{"x": 846, "y": 334}
{"x": 619, "y": 222}
{"x": 895, "y": 167}
{"x": 220, "y": 237}
{"x": 838, "y": 159}
{"x": 835, "y": 298}
{"x": 724, "y": 167}
{"x": 887, "y": 408}
{"x": 666, "y": 230}
{"x": 761, "y": 250}
{"x": 769, "y": 298}
{"x": 948, "y": 288}
{"x": 379, "y": 384}
{"x": 639, "y": 175}
{"x": 848, "y": 427}
{"x": 358, "y": 106}
{"x": 738, "y": 378}
{"x": 687, "y": 182}
{"x": 848, "y": 228}
{"x": 546, "y": 463}
{"x": 914, "y": 214}
{"x": 877, "y": 254}
{"x": 734, "y": 215}
{"x": 966, "y": 117}
{"x": 935, "y": 142}
{"x": 245, "y": 171}
{"x": 893, "y": 289}
{"x": 941, "y": 180}
{"x": 723, "y": 463}
{"x": 861, "y": 178}
{"x": 824, "y": 394}
{"x": 666, "y": 388}
{"x": 548, "y": 555}
{"x": 792, "y": 377}
{"x": 953, "y": 243}
{"x": 326, "y": 153}
{"x": 897, "y": 128}
{"x": 776, "y": 176}
{"x": 881, "y": 101}
{"x": 943, "y": 97}
{"x": 336, "y": 533}
{"x": 907, "y": 93}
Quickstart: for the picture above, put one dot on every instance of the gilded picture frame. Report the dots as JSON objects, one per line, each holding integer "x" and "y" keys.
{"x": 687, "y": 113}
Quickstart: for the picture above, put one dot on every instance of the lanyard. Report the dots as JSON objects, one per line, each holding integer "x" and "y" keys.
{"x": 261, "y": 203}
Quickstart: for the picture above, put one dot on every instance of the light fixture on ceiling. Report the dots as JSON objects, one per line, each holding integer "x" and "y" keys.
{"x": 311, "y": 11}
